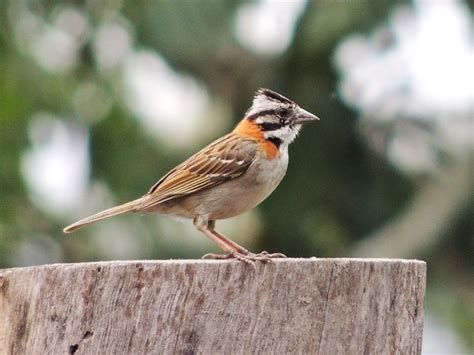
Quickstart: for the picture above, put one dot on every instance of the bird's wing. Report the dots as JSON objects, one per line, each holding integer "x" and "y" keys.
{"x": 223, "y": 160}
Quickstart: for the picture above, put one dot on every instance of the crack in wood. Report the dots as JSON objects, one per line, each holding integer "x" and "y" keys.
{"x": 325, "y": 307}
{"x": 73, "y": 348}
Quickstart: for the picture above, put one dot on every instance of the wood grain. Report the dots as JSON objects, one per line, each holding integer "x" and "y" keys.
{"x": 311, "y": 306}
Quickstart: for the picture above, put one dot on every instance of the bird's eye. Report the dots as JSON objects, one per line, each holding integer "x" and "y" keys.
{"x": 282, "y": 112}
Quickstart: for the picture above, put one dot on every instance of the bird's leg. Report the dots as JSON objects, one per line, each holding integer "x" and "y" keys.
{"x": 238, "y": 251}
{"x": 264, "y": 255}
{"x": 204, "y": 226}
{"x": 232, "y": 250}
{"x": 217, "y": 240}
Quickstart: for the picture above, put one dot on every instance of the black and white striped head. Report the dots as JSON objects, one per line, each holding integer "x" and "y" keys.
{"x": 278, "y": 117}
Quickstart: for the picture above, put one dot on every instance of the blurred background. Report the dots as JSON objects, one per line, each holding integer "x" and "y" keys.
{"x": 99, "y": 99}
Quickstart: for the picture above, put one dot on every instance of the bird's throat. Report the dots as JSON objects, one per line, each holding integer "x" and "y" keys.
{"x": 250, "y": 129}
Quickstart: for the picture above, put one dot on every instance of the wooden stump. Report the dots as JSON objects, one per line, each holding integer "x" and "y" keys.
{"x": 311, "y": 306}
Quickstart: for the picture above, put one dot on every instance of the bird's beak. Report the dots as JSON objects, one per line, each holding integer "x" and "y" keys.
{"x": 304, "y": 116}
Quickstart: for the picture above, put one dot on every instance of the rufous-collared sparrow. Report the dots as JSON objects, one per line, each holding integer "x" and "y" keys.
{"x": 228, "y": 177}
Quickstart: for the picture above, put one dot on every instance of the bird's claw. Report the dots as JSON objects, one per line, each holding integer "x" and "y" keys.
{"x": 246, "y": 257}
{"x": 271, "y": 255}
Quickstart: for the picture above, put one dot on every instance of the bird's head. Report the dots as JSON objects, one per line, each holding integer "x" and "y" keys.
{"x": 278, "y": 118}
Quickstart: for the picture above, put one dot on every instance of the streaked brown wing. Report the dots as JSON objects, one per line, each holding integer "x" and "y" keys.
{"x": 223, "y": 160}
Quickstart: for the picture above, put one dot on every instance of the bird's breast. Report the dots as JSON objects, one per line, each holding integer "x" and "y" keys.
{"x": 244, "y": 193}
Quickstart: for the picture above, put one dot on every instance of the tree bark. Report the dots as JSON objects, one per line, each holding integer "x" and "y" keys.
{"x": 311, "y": 306}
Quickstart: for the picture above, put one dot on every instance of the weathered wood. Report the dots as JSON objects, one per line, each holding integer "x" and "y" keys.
{"x": 311, "y": 306}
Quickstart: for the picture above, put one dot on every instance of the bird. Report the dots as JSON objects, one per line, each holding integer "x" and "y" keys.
{"x": 228, "y": 177}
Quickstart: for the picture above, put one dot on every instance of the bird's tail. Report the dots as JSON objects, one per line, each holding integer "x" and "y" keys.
{"x": 126, "y": 207}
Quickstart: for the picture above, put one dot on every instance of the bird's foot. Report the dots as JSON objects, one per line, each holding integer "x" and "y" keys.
{"x": 246, "y": 256}
{"x": 271, "y": 255}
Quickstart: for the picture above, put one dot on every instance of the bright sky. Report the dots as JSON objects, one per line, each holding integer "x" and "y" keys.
{"x": 266, "y": 27}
